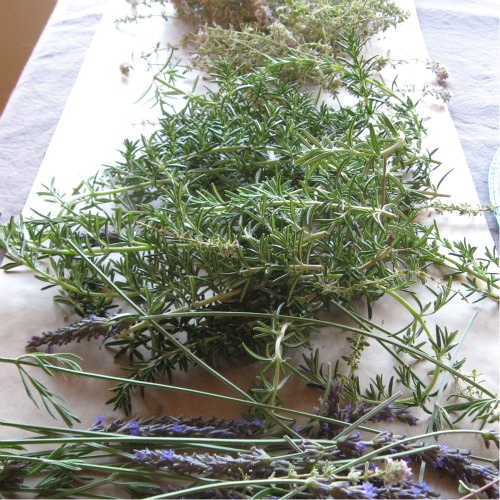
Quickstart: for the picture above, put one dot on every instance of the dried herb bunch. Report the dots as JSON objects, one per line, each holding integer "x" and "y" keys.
{"x": 251, "y": 32}
{"x": 231, "y": 13}
{"x": 241, "y": 218}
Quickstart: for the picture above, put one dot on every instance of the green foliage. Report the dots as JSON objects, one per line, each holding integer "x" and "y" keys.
{"x": 253, "y": 201}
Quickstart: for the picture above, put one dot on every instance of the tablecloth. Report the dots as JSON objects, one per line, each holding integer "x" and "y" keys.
{"x": 35, "y": 105}
{"x": 465, "y": 37}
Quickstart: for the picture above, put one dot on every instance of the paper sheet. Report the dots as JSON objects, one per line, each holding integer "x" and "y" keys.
{"x": 103, "y": 110}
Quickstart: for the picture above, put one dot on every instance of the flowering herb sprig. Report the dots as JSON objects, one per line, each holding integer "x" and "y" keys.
{"x": 214, "y": 456}
{"x": 249, "y": 33}
{"x": 138, "y": 464}
{"x": 180, "y": 426}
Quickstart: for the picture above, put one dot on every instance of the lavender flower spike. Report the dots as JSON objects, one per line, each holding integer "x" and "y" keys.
{"x": 89, "y": 328}
{"x": 179, "y": 427}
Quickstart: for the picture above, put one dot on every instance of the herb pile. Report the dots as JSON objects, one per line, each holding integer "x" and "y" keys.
{"x": 251, "y": 32}
{"x": 231, "y": 232}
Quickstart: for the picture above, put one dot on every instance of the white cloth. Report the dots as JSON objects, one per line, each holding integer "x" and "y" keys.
{"x": 35, "y": 106}
{"x": 464, "y": 35}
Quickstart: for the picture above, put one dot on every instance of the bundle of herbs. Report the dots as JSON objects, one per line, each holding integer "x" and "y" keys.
{"x": 253, "y": 215}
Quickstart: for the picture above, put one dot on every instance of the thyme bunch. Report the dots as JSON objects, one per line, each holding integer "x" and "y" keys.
{"x": 255, "y": 31}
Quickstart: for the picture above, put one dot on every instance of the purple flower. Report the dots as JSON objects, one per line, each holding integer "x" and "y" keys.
{"x": 177, "y": 428}
{"x": 403, "y": 415}
{"x": 425, "y": 486}
{"x": 325, "y": 428}
{"x": 172, "y": 426}
{"x": 89, "y": 328}
{"x": 134, "y": 428}
{"x": 99, "y": 420}
{"x": 334, "y": 408}
{"x": 419, "y": 489}
{"x": 484, "y": 471}
{"x": 167, "y": 455}
{"x": 443, "y": 448}
{"x": 440, "y": 462}
{"x": 143, "y": 456}
{"x": 369, "y": 490}
{"x": 155, "y": 457}
{"x": 351, "y": 445}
